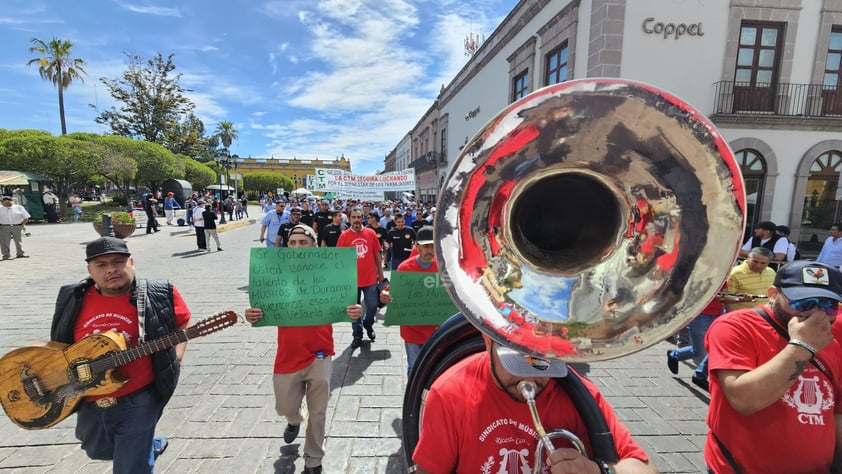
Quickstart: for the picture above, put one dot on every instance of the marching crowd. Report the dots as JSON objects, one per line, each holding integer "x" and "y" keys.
{"x": 767, "y": 349}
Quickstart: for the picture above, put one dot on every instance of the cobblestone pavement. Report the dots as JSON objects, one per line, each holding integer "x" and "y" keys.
{"x": 222, "y": 417}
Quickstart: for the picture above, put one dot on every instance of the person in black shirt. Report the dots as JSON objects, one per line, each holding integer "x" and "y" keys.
{"x": 322, "y": 219}
{"x": 419, "y": 222}
{"x": 374, "y": 224}
{"x": 282, "y": 240}
{"x": 330, "y": 234}
{"x": 307, "y": 216}
{"x": 400, "y": 241}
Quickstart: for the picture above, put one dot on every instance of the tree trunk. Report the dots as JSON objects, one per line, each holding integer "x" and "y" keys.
{"x": 61, "y": 108}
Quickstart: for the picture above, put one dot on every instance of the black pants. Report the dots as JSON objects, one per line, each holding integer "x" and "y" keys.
{"x": 151, "y": 223}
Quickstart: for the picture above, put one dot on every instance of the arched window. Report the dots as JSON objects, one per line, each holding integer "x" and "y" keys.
{"x": 753, "y": 167}
{"x": 823, "y": 196}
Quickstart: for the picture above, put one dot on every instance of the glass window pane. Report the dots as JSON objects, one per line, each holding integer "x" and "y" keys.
{"x": 769, "y": 37}
{"x": 745, "y": 56}
{"x": 764, "y": 78}
{"x": 553, "y": 62}
{"x": 830, "y": 81}
{"x": 743, "y": 75}
{"x": 562, "y": 74}
{"x": 815, "y": 167}
{"x": 748, "y": 35}
{"x": 833, "y": 61}
{"x": 836, "y": 40}
{"x": 766, "y": 58}
{"x": 564, "y": 55}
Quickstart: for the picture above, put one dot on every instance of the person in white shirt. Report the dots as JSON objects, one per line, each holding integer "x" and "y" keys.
{"x": 12, "y": 219}
{"x": 764, "y": 236}
{"x": 831, "y": 252}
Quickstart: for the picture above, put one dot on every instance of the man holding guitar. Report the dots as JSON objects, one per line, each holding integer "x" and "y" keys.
{"x": 121, "y": 425}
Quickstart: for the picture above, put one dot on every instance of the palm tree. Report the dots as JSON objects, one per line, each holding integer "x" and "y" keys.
{"x": 226, "y": 133}
{"x": 56, "y": 65}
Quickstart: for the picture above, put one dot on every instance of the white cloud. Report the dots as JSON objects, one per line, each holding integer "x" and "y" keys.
{"x": 150, "y": 9}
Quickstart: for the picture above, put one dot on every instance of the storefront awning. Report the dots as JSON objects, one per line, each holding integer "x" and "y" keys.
{"x": 20, "y": 178}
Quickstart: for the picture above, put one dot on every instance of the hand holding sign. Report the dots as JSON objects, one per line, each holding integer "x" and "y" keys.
{"x": 418, "y": 298}
{"x": 302, "y": 286}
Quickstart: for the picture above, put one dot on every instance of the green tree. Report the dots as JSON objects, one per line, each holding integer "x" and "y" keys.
{"x": 67, "y": 162}
{"x": 188, "y": 138}
{"x": 226, "y": 133}
{"x": 152, "y": 102}
{"x": 199, "y": 175}
{"x": 261, "y": 182}
{"x": 56, "y": 65}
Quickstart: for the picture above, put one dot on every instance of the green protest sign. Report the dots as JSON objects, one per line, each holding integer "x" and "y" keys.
{"x": 418, "y": 299}
{"x": 302, "y": 286}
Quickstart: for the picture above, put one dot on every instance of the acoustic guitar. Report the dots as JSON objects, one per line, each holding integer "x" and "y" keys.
{"x": 41, "y": 385}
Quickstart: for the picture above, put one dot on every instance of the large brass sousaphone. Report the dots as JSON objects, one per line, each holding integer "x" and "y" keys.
{"x": 587, "y": 221}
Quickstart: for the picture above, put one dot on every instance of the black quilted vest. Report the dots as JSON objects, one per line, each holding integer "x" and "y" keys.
{"x": 160, "y": 321}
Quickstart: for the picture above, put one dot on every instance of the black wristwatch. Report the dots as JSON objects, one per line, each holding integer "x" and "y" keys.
{"x": 604, "y": 468}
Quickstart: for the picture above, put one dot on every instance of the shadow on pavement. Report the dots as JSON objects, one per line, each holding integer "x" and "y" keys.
{"x": 286, "y": 462}
{"x": 189, "y": 253}
{"x": 347, "y": 370}
{"x": 397, "y": 462}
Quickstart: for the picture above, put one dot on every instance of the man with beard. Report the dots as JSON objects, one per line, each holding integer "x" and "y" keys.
{"x": 777, "y": 365}
{"x": 283, "y": 233}
{"x": 369, "y": 272}
{"x": 121, "y": 426}
{"x": 476, "y": 420}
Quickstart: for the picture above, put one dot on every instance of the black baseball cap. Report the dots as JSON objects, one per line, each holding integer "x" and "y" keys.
{"x": 105, "y": 246}
{"x": 424, "y": 236}
{"x": 805, "y": 279}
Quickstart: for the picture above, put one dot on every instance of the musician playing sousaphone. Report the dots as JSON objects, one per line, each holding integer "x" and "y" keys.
{"x": 476, "y": 420}
{"x": 548, "y": 286}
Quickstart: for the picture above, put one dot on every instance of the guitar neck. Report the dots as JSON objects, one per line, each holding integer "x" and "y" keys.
{"x": 118, "y": 359}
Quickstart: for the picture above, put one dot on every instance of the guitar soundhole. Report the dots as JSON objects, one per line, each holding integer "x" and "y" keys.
{"x": 14, "y": 396}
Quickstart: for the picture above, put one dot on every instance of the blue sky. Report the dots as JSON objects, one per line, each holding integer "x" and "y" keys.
{"x": 303, "y": 78}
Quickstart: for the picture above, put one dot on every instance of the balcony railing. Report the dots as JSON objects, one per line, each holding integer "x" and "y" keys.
{"x": 781, "y": 99}
{"x": 425, "y": 162}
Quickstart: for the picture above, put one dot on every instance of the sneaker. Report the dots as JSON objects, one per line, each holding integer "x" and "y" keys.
{"x": 357, "y": 342}
{"x": 291, "y": 432}
{"x": 700, "y": 382}
{"x": 219, "y": 249}
{"x": 371, "y": 334}
{"x": 313, "y": 470}
{"x": 159, "y": 445}
{"x": 672, "y": 363}
{"x": 7, "y": 258}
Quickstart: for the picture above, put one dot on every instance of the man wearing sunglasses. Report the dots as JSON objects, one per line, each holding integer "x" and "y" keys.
{"x": 776, "y": 378}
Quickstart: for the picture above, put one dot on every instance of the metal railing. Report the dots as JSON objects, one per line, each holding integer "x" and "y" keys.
{"x": 779, "y": 99}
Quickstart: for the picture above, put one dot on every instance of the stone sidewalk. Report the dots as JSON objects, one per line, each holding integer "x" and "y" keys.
{"x": 222, "y": 416}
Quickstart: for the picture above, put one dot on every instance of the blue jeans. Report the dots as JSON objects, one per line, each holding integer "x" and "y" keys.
{"x": 698, "y": 327}
{"x": 124, "y": 433}
{"x": 370, "y": 298}
{"x": 412, "y": 351}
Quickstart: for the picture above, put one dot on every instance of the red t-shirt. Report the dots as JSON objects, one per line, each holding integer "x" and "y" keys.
{"x": 298, "y": 345}
{"x": 471, "y": 425}
{"x": 417, "y": 334}
{"x": 796, "y": 433}
{"x": 367, "y": 245}
{"x": 103, "y": 313}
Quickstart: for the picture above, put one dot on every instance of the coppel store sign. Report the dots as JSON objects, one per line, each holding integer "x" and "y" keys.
{"x": 652, "y": 26}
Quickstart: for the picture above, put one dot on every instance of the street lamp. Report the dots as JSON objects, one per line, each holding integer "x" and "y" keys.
{"x": 225, "y": 162}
